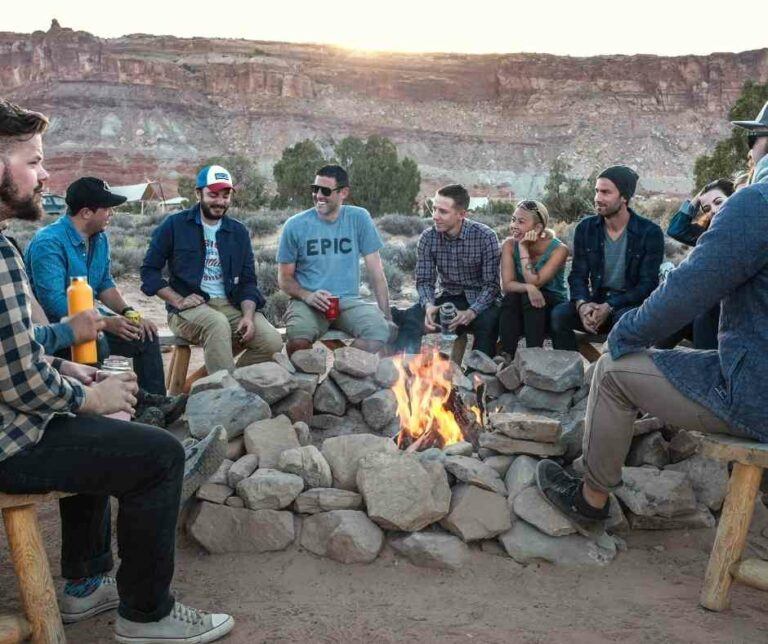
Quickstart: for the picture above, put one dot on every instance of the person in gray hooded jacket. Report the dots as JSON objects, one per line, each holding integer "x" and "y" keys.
{"x": 719, "y": 391}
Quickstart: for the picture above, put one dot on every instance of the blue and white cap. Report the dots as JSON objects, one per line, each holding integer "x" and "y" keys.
{"x": 214, "y": 177}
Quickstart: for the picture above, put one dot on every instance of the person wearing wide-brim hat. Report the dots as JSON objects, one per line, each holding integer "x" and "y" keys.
{"x": 757, "y": 139}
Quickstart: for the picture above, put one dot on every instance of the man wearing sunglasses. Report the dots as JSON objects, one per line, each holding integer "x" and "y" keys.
{"x": 319, "y": 260}
{"x": 616, "y": 259}
{"x": 757, "y": 140}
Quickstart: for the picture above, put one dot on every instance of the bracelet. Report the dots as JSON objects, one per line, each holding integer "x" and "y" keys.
{"x": 56, "y": 363}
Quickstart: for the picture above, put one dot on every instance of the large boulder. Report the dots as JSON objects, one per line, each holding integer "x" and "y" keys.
{"x": 471, "y": 470}
{"x": 556, "y": 370}
{"x": 501, "y": 463}
{"x": 270, "y": 438}
{"x": 380, "y": 408}
{"x": 355, "y": 362}
{"x": 476, "y": 514}
{"x": 308, "y": 463}
{"x": 535, "y": 398}
{"x": 233, "y": 407}
{"x": 297, "y": 405}
{"x": 214, "y": 493}
{"x": 401, "y": 492}
{"x": 222, "y": 529}
{"x": 479, "y": 361}
{"x": 269, "y": 489}
{"x": 386, "y": 373}
{"x": 431, "y": 549}
{"x": 530, "y": 427}
{"x": 344, "y": 453}
{"x": 531, "y": 506}
{"x": 218, "y": 380}
{"x": 267, "y": 379}
{"x": 525, "y": 544}
{"x": 346, "y": 536}
{"x": 509, "y": 377}
{"x": 219, "y": 477}
{"x": 310, "y": 360}
{"x": 648, "y": 491}
{"x": 329, "y": 399}
{"x": 325, "y": 499}
{"x": 355, "y": 389}
{"x": 709, "y": 479}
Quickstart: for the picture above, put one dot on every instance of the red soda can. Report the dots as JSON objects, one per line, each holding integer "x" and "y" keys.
{"x": 333, "y": 310}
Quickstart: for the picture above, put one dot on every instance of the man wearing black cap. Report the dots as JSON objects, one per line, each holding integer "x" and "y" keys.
{"x": 77, "y": 245}
{"x": 757, "y": 139}
{"x": 616, "y": 259}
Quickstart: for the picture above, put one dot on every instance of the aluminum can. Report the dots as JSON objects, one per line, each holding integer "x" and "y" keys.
{"x": 133, "y": 316}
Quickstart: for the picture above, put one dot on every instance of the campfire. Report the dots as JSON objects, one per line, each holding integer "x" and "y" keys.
{"x": 429, "y": 406}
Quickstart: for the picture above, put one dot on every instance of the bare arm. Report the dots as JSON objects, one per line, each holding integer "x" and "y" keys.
{"x": 286, "y": 280}
{"x": 112, "y": 299}
{"x": 554, "y": 263}
{"x": 509, "y": 281}
{"x": 378, "y": 282}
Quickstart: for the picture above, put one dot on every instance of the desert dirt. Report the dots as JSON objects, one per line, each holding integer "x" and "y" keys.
{"x": 647, "y": 594}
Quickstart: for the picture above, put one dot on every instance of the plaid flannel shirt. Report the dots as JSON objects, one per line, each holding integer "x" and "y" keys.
{"x": 468, "y": 264}
{"x": 31, "y": 391}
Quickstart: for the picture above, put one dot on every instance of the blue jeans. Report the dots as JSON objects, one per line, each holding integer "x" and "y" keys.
{"x": 96, "y": 458}
{"x": 565, "y": 319}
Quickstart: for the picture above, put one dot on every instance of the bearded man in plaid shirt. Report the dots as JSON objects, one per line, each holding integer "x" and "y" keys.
{"x": 54, "y": 436}
{"x": 463, "y": 256}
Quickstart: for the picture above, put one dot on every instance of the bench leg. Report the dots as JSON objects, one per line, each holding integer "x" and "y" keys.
{"x": 38, "y": 595}
{"x": 731, "y": 535}
{"x": 179, "y": 369}
{"x": 13, "y": 629}
{"x": 171, "y": 365}
{"x": 588, "y": 350}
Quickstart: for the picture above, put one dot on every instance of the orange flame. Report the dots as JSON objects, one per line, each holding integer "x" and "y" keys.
{"x": 421, "y": 390}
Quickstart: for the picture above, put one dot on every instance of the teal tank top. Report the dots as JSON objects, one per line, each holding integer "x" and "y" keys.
{"x": 556, "y": 285}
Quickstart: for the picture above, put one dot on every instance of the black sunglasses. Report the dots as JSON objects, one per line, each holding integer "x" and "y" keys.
{"x": 323, "y": 190}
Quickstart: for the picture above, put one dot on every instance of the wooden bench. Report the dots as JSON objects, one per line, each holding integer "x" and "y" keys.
{"x": 176, "y": 375}
{"x": 586, "y": 343}
{"x": 41, "y": 619}
{"x": 725, "y": 563}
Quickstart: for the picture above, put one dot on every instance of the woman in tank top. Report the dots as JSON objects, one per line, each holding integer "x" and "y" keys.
{"x": 532, "y": 277}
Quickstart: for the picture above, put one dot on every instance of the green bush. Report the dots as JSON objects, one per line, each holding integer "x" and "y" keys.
{"x": 408, "y": 225}
{"x": 567, "y": 198}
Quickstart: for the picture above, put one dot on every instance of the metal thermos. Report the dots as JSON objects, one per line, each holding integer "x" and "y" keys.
{"x": 448, "y": 314}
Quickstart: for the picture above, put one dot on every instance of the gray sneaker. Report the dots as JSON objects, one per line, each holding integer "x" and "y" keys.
{"x": 202, "y": 460}
{"x": 184, "y": 625}
{"x": 76, "y": 609}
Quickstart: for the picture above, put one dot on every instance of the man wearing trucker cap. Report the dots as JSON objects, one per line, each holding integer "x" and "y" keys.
{"x": 211, "y": 292}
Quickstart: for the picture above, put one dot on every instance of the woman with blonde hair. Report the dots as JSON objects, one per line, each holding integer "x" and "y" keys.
{"x": 532, "y": 277}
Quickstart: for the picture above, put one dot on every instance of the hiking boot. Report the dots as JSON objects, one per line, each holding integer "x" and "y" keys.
{"x": 561, "y": 491}
{"x": 202, "y": 459}
{"x": 76, "y": 609}
{"x": 183, "y": 624}
{"x": 171, "y": 406}
{"x": 151, "y": 416}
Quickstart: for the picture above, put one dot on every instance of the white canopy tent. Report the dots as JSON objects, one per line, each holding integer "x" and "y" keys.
{"x": 150, "y": 191}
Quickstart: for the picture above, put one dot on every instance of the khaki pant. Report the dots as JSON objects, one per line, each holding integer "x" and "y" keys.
{"x": 358, "y": 318}
{"x": 619, "y": 389}
{"x": 213, "y": 324}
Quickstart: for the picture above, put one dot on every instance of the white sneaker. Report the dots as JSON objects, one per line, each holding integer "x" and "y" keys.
{"x": 76, "y": 609}
{"x": 184, "y": 625}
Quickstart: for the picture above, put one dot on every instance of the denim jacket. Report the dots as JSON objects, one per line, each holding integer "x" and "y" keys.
{"x": 645, "y": 251}
{"x": 179, "y": 242}
{"x": 729, "y": 264}
{"x": 57, "y": 253}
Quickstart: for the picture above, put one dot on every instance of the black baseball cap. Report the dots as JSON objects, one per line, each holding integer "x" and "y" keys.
{"x": 91, "y": 192}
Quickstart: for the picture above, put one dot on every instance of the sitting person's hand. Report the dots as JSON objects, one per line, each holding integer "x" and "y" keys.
{"x": 80, "y": 372}
{"x": 113, "y": 394}
{"x": 148, "y": 329}
{"x": 463, "y": 318}
{"x": 122, "y": 327}
{"x": 430, "y": 317}
{"x": 585, "y": 315}
{"x": 86, "y": 325}
{"x": 319, "y": 300}
{"x": 190, "y": 302}
{"x": 245, "y": 330}
{"x": 598, "y": 315}
{"x": 536, "y": 297}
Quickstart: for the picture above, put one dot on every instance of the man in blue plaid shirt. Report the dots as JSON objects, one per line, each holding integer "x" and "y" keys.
{"x": 54, "y": 436}
{"x": 463, "y": 256}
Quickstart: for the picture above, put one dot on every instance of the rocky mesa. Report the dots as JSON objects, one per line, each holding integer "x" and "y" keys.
{"x": 155, "y": 106}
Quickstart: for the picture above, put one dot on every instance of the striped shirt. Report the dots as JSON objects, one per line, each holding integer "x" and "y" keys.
{"x": 31, "y": 391}
{"x": 467, "y": 263}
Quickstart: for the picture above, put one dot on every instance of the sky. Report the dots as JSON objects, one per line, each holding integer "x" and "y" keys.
{"x": 564, "y": 27}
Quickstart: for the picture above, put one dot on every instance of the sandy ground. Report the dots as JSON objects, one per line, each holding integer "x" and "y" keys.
{"x": 648, "y": 594}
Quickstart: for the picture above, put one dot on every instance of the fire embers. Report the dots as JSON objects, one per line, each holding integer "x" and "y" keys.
{"x": 429, "y": 407}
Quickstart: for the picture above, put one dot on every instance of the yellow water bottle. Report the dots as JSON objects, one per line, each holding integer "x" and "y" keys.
{"x": 80, "y": 298}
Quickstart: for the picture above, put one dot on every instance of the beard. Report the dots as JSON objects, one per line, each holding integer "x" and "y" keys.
{"x": 15, "y": 207}
{"x": 209, "y": 214}
{"x": 611, "y": 211}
